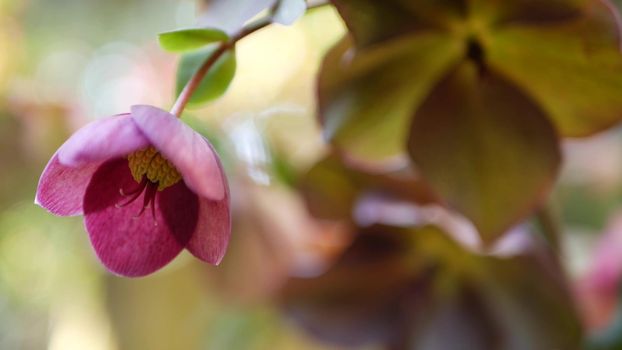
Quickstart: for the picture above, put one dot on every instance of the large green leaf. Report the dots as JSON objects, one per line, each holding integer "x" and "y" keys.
{"x": 485, "y": 148}
{"x": 525, "y": 11}
{"x": 573, "y": 69}
{"x": 366, "y": 101}
{"x": 190, "y": 39}
{"x": 372, "y": 21}
{"x": 215, "y": 82}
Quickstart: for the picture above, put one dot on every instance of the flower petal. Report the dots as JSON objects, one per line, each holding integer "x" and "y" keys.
{"x": 136, "y": 245}
{"x": 101, "y": 140}
{"x": 191, "y": 154}
{"x": 211, "y": 237}
{"x": 61, "y": 188}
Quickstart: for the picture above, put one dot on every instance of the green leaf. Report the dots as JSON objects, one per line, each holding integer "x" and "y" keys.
{"x": 328, "y": 191}
{"x": 372, "y": 21}
{"x": 215, "y": 82}
{"x": 485, "y": 148}
{"x": 530, "y": 297}
{"x": 190, "y": 39}
{"x": 526, "y": 11}
{"x": 366, "y": 102}
{"x": 573, "y": 69}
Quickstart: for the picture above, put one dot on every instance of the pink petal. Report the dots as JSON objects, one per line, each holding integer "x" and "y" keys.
{"x": 191, "y": 154}
{"x": 211, "y": 237}
{"x": 132, "y": 245}
{"x": 61, "y": 188}
{"x": 101, "y": 140}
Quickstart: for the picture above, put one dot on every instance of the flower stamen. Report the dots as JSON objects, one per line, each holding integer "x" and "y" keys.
{"x": 135, "y": 193}
{"x": 148, "y": 162}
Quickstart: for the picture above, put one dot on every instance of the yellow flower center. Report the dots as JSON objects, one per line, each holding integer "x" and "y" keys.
{"x": 150, "y": 163}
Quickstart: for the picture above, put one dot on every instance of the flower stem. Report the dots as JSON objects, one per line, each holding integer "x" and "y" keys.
{"x": 223, "y": 47}
{"x": 548, "y": 221}
{"x": 193, "y": 83}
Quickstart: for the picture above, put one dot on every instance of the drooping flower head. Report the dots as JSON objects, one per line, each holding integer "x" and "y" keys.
{"x": 148, "y": 187}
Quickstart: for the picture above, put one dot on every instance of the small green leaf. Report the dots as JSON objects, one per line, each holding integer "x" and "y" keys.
{"x": 485, "y": 148}
{"x": 190, "y": 39}
{"x": 215, "y": 82}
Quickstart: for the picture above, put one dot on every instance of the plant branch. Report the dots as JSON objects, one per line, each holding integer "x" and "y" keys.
{"x": 223, "y": 47}
{"x": 193, "y": 83}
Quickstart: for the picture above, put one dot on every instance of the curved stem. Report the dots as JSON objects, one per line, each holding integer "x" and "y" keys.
{"x": 548, "y": 220}
{"x": 193, "y": 83}
{"x": 223, "y": 47}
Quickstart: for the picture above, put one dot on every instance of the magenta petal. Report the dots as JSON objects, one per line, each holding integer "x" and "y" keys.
{"x": 191, "y": 154}
{"x": 130, "y": 244}
{"x": 61, "y": 188}
{"x": 211, "y": 238}
{"x": 101, "y": 140}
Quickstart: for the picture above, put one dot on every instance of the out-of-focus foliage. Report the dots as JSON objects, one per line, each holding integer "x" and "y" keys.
{"x": 429, "y": 71}
{"x": 375, "y": 255}
{"x": 215, "y": 82}
{"x": 428, "y": 293}
{"x": 498, "y": 153}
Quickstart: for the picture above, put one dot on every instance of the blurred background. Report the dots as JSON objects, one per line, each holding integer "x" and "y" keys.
{"x": 64, "y": 63}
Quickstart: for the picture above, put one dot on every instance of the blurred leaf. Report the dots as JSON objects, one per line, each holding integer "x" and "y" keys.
{"x": 530, "y": 300}
{"x": 371, "y": 22}
{"x": 231, "y": 15}
{"x": 190, "y": 39}
{"x": 366, "y": 100}
{"x": 215, "y": 82}
{"x": 288, "y": 11}
{"x": 572, "y": 68}
{"x": 490, "y": 153}
{"x": 526, "y": 11}
{"x": 360, "y": 299}
{"x": 328, "y": 192}
{"x": 417, "y": 289}
{"x": 461, "y": 318}
{"x": 331, "y": 188}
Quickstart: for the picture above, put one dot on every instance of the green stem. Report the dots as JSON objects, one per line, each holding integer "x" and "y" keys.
{"x": 224, "y": 46}
{"x": 549, "y": 223}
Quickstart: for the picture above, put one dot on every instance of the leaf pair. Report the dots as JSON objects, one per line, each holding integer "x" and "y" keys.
{"x": 197, "y": 45}
{"x": 476, "y": 92}
{"x": 223, "y": 18}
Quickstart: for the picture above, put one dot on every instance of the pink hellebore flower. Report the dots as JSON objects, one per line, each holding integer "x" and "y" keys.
{"x": 148, "y": 186}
